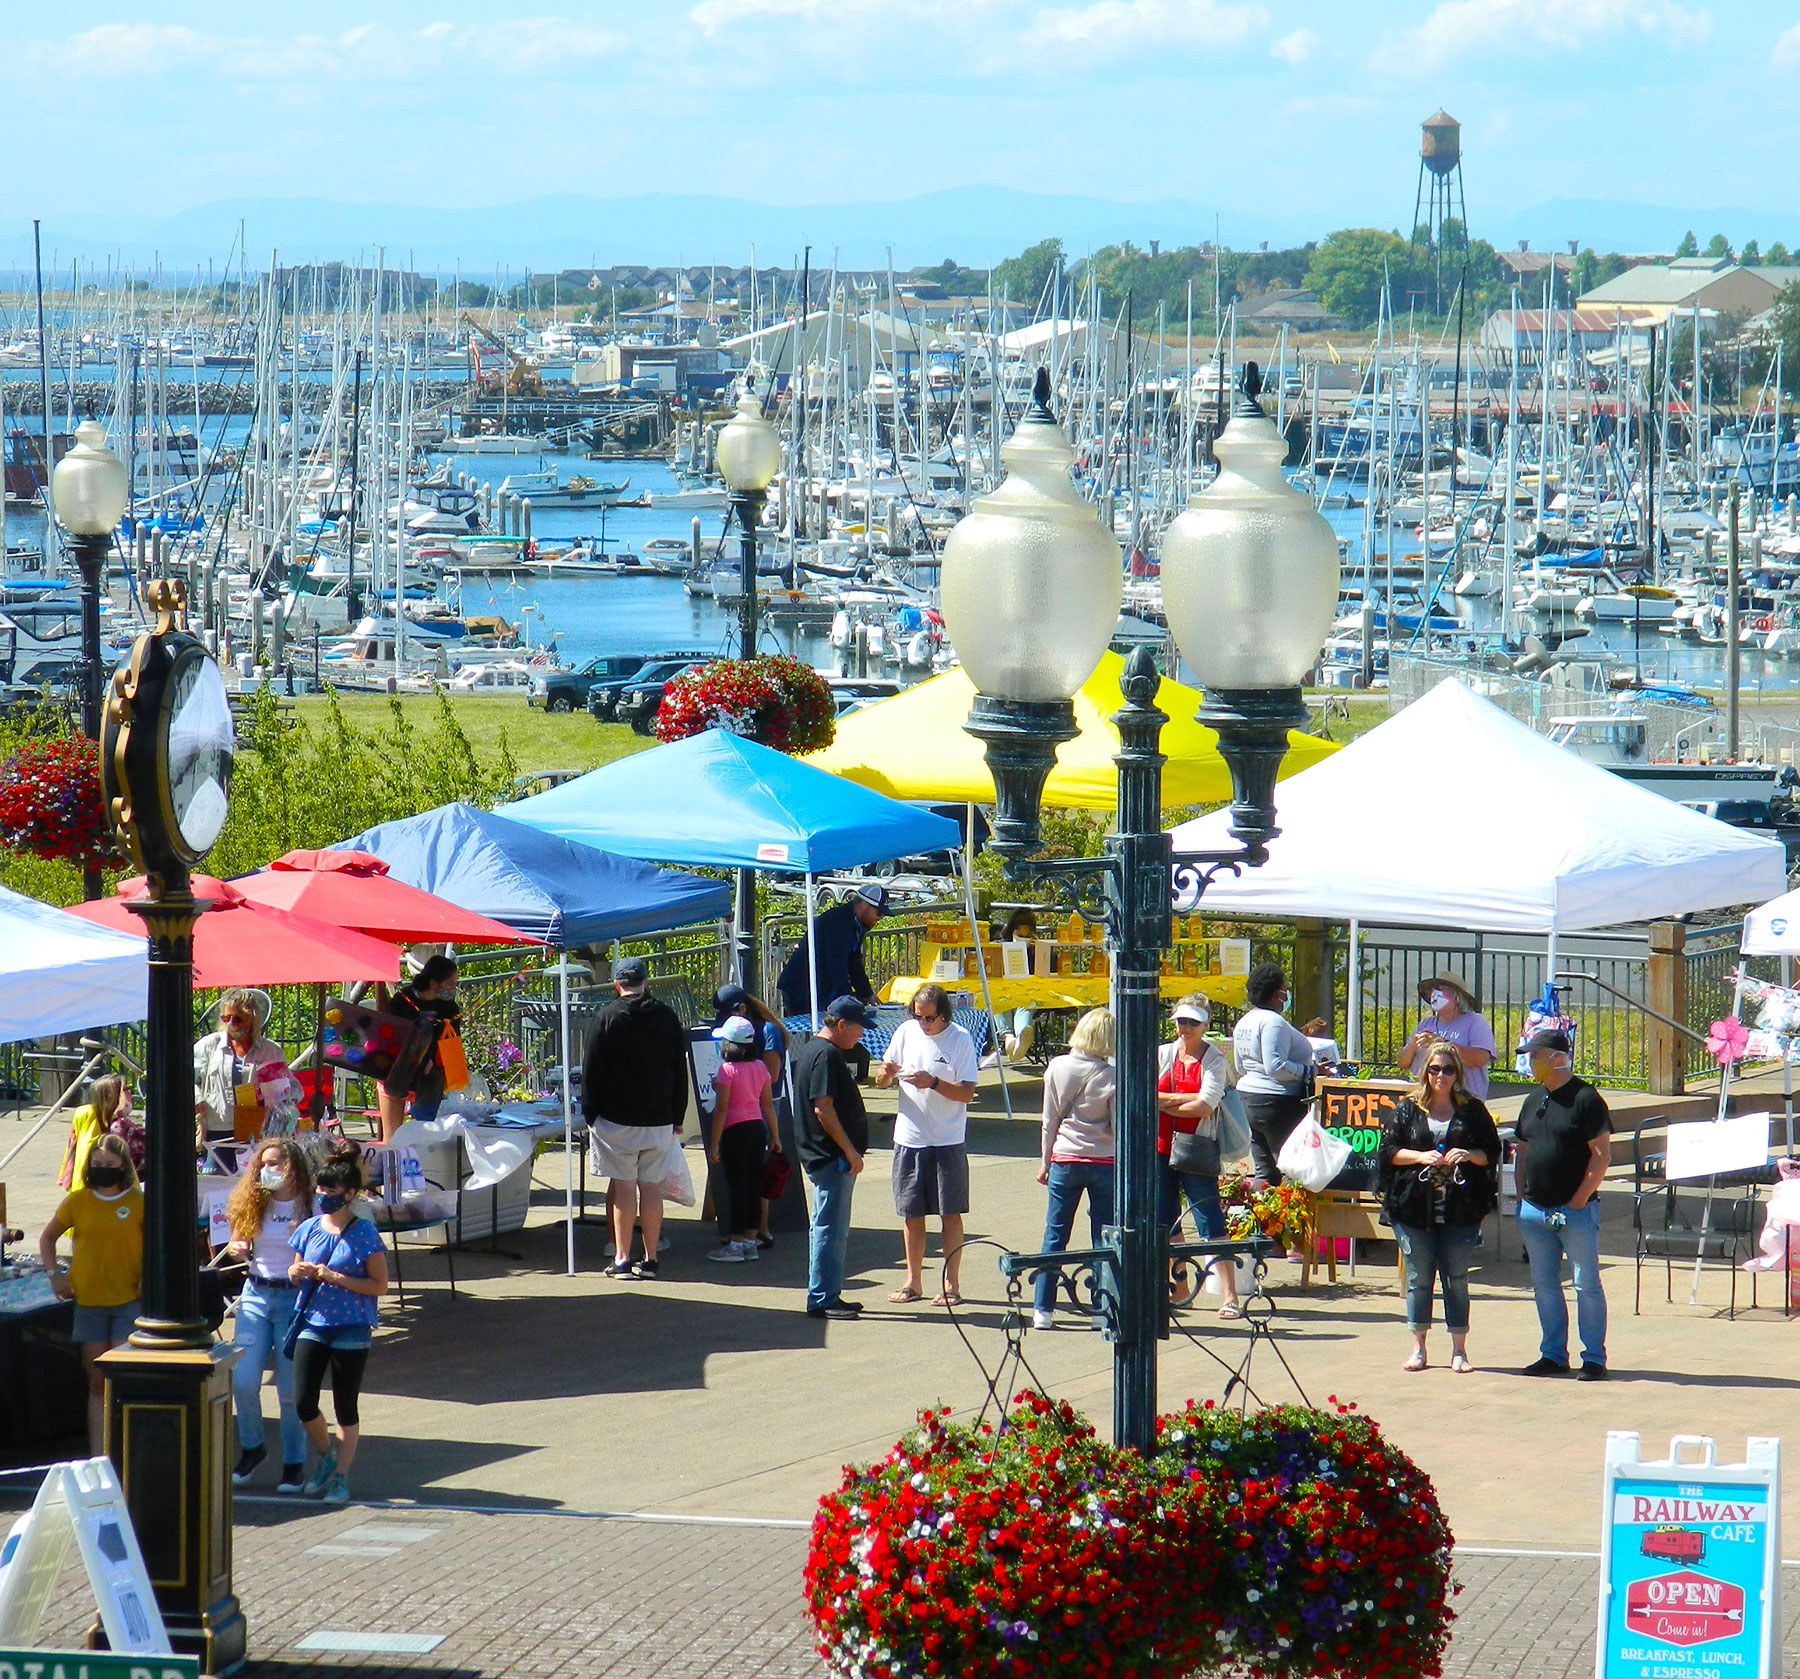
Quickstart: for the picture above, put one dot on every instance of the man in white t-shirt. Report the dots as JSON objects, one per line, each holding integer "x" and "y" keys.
{"x": 933, "y": 1059}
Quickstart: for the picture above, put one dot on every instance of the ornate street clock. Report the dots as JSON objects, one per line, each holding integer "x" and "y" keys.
{"x": 166, "y": 745}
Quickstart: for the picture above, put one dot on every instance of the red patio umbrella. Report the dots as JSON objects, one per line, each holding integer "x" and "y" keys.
{"x": 354, "y": 889}
{"x": 241, "y": 942}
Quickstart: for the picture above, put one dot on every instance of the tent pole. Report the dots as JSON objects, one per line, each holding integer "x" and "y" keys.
{"x": 1787, "y": 1071}
{"x": 1353, "y": 993}
{"x": 562, "y": 987}
{"x": 987, "y": 995}
{"x": 812, "y": 953}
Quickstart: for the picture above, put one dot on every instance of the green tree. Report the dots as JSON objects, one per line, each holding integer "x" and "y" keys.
{"x": 1750, "y": 256}
{"x": 956, "y": 280}
{"x": 1717, "y": 246}
{"x": 1689, "y": 246}
{"x": 1787, "y": 333}
{"x": 1581, "y": 276}
{"x": 1024, "y": 277}
{"x": 1350, "y": 267}
{"x": 1778, "y": 255}
{"x": 1612, "y": 265}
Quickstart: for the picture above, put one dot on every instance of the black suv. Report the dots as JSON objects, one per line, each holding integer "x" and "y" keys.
{"x": 606, "y": 700}
{"x": 642, "y": 697}
{"x": 564, "y": 690}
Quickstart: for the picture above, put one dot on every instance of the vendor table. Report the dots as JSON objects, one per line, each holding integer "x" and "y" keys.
{"x": 43, "y": 1393}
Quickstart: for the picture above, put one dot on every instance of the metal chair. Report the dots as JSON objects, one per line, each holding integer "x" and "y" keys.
{"x": 1691, "y": 1222}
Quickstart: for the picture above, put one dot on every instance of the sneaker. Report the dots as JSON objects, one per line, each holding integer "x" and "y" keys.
{"x": 749, "y": 1249}
{"x": 1545, "y": 1367}
{"x": 337, "y": 1490}
{"x": 249, "y": 1460}
{"x": 293, "y": 1478}
{"x": 622, "y": 1268}
{"x": 1043, "y": 1320}
{"x": 314, "y": 1485}
{"x": 853, "y": 1307}
{"x": 1591, "y": 1372}
{"x": 664, "y": 1242}
{"x": 837, "y": 1309}
{"x": 732, "y": 1253}
{"x": 644, "y": 1270}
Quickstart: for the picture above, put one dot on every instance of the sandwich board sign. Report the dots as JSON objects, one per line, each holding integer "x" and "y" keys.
{"x": 1690, "y": 1562}
{"x": 83, "y": 1503}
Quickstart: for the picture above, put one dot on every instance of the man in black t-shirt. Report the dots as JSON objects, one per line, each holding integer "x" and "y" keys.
{"x": 1565, "y": 1138}
{"x": 832, "y": 1126}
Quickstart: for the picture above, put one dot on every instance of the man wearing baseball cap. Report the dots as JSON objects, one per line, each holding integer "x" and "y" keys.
{"x": 838, "y": 935}
{"x": 634, "y": 1088}
{"x": 832, "y": 1126}
{"x": 1565, "y": 1146}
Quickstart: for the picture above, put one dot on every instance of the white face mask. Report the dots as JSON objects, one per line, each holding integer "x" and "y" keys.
{"x": 271, "y": 1177}
{"x": 1438, "y": 1001}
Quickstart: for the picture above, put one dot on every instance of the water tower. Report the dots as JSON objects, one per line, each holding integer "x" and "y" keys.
{"x": 1440, "y": 230}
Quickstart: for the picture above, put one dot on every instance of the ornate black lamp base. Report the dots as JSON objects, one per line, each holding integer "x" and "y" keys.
{"x": 1021, "y": 737}
{"x": 169, "y": 1434}
{"x": 1252, "y": 725}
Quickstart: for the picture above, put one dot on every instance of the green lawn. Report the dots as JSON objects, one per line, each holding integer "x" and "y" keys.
{"x": 569, "y": 740}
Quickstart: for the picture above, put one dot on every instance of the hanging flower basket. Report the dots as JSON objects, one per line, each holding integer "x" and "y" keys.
{"x": 776, "y": 701}
{"x": 50, "y": 802}
{"x": 1293, "y": 1542}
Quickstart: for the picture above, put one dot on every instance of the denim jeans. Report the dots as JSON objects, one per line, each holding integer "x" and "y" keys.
{"x": 263, "y": 1316}
{"x": 1068, "y": 1179}
{"x": 832, "y": 1188}
{"x": 1579, "y": 1238}
{"x": 1202, "y": 1197}
{"x": 1443, "y": 1250}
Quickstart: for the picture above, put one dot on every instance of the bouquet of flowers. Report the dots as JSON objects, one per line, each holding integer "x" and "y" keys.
{"x": 50, "y": 803}
{"x": 1292, "y": 1543}
{"x": 776, "y": 701}
{"x": 1281, "y": 1211}
{"x": 1336, "y": 1555}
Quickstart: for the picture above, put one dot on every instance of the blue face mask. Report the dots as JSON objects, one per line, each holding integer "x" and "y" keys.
{"x": 329, "y": 1203}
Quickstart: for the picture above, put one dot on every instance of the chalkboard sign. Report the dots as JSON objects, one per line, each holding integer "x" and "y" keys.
{"x": 1355, "y": 1110}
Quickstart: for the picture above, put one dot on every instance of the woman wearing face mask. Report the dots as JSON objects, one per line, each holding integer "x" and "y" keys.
{"x": 273, "y": 1196}
{"x": 106, "y": 1219}
{"x": 341, "y": 1258}
{"x": 431, "y": 995}
{"x": 734, "y": 999}
{"x": 241, "y": 1078}
{"x": 1273, "y": 1060}
{"x": 1454, "y": 1020}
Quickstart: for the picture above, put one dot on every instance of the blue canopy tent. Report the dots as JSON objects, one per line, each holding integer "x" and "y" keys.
{"x": 564, "y": 894}
{"x": 530, "y": 879}
{"x": 716, "y": 798}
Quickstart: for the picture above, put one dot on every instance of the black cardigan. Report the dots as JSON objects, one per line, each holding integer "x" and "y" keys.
{"x": 1408, "y": 1197}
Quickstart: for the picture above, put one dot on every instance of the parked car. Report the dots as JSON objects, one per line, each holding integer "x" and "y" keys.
{"x": 639, "y": 702}
{"x": 564, "y": 690}
{"x": 605, "y": 700}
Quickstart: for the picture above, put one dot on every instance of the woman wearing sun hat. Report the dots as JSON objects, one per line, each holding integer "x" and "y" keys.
{"x": 1455, "y": 1019}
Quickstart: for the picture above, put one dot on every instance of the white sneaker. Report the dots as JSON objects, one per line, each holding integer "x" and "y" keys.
{"x": 1043, "y": 1320}
{"x": 732, "y": 1253}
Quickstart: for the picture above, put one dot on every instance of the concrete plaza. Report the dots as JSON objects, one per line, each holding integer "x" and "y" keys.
{"x": 574, "y": 1474}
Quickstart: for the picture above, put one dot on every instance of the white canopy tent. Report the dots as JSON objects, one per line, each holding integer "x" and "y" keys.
{"x": 60, "y": 974}
{"x": 1535, "y": 840}
{"x": 1773, "y": 929}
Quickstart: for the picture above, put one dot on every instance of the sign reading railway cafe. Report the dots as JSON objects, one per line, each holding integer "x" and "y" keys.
{"x": 1690, "y": 1562}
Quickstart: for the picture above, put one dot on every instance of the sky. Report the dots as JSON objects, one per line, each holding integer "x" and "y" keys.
{"x": 1298, "y": 111}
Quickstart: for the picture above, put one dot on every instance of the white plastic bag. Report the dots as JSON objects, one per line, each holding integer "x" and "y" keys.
{"x": 1311, "y": 1156}
{"x": 677, "y": 1185}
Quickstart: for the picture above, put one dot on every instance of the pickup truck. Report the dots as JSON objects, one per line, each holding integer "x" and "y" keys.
{"x": 607, "y": 702}
{"x": 565, "y": 690}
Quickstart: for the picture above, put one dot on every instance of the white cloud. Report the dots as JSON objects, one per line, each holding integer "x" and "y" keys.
{"x": 1458, "y": 27}
{"x": 368, "y": 52}
{"x": 1117, "y": 25}
{"x": 1787, "y": 49}
{"x": 1295, "y": 48}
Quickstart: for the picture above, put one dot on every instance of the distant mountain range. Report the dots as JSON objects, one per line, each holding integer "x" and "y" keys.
{"x": 976, "y": 225}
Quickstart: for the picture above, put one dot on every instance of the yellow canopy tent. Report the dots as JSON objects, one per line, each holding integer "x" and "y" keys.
{"x": 913, "y": 746}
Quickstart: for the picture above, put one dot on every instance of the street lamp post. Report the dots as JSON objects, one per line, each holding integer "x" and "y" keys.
{"x": 90, "y": 490}
{"x": 749, "y": 456}
{"x": 1031, "y": 592}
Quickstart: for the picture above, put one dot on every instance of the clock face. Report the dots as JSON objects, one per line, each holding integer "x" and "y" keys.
{"x": 201, "y": 744}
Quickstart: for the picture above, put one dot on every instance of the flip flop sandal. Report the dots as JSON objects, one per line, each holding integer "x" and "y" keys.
{"x": 948, "y": 1298}
{"x": 1415, "y": 1364}
{"x": 1231, "y": 1313}
{"x": 1459, "y": 1362}
{"x": 905, "y": 1296}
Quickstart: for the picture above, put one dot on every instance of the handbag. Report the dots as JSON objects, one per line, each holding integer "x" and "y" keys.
{"x": 1195, "y": 1154}
{"x": 776, "y": 1172}
{"x": 452, "y": 1058}
{"x": 1234, "y": 1126}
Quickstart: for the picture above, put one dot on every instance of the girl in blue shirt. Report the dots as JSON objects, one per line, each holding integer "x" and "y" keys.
{"x": 342, "y": 1269}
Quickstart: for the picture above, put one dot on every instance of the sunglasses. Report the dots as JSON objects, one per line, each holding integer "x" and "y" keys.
{"x": 1438, "y": 1067}
{"x": 235, "y": 1019}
